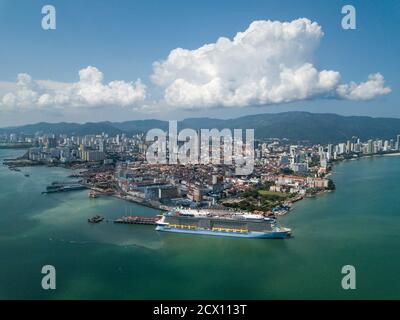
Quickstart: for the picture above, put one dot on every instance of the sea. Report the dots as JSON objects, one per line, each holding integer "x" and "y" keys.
{"x": 357, "y": 225}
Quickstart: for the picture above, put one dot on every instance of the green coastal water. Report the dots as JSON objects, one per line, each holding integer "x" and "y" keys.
{"x": 359, "y": 224}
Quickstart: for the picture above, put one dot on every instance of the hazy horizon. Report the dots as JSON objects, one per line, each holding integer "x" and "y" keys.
{"x": 203, "y": 117}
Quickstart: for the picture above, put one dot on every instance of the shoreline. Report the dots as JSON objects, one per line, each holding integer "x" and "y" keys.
{"x": 331, "y": 173}
{"x": 392, "y": 154}
{"x": 12, "y": 164}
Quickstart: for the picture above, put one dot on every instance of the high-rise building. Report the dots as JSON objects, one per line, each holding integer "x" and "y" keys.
{"x": 370, "y": 146}
{"x": 293, "y": 150}
{"x": 92, "y": 155}
{"x": 102, "y": 146}
{"x": 398, "y": 142}
{"x": 348, "y": 147}
{"x": 51, "y": 143}
{"x": 329, "y": 152}
{"x": 13, "y": 138}
{"x": 342, "y": 148}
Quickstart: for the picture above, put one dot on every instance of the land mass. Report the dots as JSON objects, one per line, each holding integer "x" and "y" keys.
{"x": 295, "y": 126}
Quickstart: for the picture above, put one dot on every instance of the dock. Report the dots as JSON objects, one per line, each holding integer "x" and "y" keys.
{"x": 59, "y": 188}
{"x": 137, "y": 220}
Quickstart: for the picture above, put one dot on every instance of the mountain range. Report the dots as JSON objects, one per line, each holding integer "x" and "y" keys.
{"x": 295, "y": 126}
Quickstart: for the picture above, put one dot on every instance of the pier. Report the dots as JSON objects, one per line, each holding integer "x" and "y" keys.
{"x": 137, "y": 220}
{"x": 55, "y": 188}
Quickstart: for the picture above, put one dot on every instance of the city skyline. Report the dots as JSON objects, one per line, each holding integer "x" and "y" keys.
{"x": 42, "y": 84}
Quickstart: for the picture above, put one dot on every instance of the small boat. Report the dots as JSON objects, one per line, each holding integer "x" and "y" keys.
{"x": 96, "y": 219}
{"x": 93, "y": 194}
{"x": 281, "y": 210}
{"x": 27, "y": 175}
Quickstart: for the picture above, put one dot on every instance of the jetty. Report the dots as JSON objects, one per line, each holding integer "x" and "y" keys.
{"x": 137, "y": 220}
{"x": 64, "y": 187}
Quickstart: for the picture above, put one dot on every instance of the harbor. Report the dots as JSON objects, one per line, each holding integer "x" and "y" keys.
{"x": 57, "y": 230}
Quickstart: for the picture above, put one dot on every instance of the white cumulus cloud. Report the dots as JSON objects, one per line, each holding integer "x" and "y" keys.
{"x": 271, "y": 62}
{"x": 374, "y": 86}
{"x": 89, "y": 91}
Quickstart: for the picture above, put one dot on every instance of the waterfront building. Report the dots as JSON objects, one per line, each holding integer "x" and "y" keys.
{"x": 348, "y": 147}
{"x": 386, "y": 146}
{"x": 321, "y": 183}
{"x": 13, "y": 138}
{"x": 341, "y": 148}
{"x": 370, "y": 147}
{"x": 167, "y": 192}
{"x": 398, "y": 142}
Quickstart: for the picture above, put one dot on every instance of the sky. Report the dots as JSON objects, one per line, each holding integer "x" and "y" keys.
{"x": 174, "y": 59}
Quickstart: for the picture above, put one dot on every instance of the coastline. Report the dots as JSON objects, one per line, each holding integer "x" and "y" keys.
{"x": 331, "y": 174}
{"x": 392, "y": 154}
{"x": 21, "y": 161}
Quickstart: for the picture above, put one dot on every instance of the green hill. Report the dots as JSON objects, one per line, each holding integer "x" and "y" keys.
{"x": 295, "y": 126}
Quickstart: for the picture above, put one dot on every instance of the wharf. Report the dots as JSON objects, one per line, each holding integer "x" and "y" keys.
{"x": 137, "y": 220}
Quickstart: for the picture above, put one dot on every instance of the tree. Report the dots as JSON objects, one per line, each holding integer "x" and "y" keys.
{"x": 287, "y": 171}
{"x": 331, "y": 185}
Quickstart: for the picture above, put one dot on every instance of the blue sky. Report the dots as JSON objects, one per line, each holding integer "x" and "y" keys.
{"x": 123, "y": 39}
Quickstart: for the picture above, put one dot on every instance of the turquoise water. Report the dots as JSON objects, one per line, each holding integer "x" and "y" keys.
{"x": 359, "y": 224}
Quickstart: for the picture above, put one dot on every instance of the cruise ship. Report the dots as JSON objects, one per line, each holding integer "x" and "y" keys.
{"x": 242, "y": 225}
